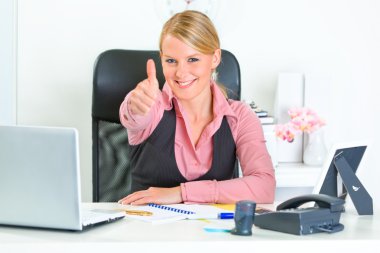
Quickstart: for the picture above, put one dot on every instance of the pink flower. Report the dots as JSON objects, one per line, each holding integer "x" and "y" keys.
{"x": 286, "y": 132}
{"x": 301, "y": 120}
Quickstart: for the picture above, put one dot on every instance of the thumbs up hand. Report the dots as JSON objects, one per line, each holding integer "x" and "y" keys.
{"x": 145, "y": 94}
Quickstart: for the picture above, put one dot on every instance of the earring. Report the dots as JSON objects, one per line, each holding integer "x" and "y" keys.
{"x": 214, "y": 76}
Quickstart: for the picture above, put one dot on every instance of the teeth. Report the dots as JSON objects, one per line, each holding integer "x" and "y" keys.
{"x": 185, "y": 83}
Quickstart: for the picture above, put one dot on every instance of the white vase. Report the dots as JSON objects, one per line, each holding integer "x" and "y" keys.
{"x": 315, "y": 150}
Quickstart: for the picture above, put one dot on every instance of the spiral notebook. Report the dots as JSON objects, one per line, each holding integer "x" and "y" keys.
{"x": 170, "y": 213}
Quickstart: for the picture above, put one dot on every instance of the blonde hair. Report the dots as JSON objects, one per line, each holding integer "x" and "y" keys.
{"x": 197, "y": 31}
{"x": 193, "y": 28}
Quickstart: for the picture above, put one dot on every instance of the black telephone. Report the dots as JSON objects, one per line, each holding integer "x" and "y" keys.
{"x": 290, "y": 218}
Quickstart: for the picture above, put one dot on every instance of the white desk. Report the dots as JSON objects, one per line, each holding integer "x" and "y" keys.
{"x": 361, "y": 232}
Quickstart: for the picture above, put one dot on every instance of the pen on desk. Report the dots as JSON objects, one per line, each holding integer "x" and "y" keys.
{"x": 202, "y": 216}
{"x": 225, "y": 216}
{"x": 137, "y": 212}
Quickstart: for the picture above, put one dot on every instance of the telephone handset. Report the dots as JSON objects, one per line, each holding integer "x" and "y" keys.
{"x": 321, "y": 200}
{"x": 291, "y": 218}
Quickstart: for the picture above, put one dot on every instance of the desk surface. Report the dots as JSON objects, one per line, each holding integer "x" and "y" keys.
{"x": 188, "y": 235}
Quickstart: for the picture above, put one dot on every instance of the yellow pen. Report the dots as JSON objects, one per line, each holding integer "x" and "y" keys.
{"x": 138, "y": 212}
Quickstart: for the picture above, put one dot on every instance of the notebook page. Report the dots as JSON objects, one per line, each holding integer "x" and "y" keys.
{"x": 158, "y": 216}
{"x": 201, "y": 211}
{"x": 164, "y": 213}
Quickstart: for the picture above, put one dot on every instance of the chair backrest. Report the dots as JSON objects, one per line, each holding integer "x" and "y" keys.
{"x": 117, "y": 72}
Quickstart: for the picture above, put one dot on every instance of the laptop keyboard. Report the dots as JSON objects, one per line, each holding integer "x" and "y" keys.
{"x": 91, "y": 217}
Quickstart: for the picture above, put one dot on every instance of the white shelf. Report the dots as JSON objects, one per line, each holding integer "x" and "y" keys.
{"x": 297, "y": 175}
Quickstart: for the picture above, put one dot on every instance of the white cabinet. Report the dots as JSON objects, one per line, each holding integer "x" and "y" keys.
{"x": 294, "y": 179}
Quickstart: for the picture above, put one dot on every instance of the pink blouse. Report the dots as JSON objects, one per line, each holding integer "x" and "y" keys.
{"x": 258, "y": 181}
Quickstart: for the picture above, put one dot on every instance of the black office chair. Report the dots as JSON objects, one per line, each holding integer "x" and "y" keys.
{"x": 116, "y": 73}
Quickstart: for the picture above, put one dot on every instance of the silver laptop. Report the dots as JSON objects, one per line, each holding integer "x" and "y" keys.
{"x": 40, "y": 180}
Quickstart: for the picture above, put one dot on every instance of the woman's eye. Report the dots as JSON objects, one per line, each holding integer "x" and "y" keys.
{"x": 193, "y": 59}
{"x": 170, "y": 60}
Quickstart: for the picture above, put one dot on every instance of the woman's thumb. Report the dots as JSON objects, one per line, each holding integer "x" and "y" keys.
{"x": 151, "y": 71}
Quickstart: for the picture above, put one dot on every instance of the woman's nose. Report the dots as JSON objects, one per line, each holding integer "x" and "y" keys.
{"x": 181, "y": 70}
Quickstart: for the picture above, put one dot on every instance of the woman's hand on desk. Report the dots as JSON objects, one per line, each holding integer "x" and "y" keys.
{"x": 155, "y": 195}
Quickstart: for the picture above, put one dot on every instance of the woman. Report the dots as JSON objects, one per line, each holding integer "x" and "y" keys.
{"x": 186, "y": 138}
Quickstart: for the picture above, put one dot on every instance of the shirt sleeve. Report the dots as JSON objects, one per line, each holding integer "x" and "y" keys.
{"x": 258, "y": 181}
{"x": 140, "y": 127}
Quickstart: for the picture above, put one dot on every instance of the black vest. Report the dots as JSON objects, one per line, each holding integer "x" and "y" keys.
{"x": 153, "y": 161}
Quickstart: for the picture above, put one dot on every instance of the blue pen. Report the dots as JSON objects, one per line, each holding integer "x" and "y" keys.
{"x": 224, "y": 216}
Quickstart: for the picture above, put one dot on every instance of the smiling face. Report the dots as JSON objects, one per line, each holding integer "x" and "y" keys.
{"x": 186, "y": 70}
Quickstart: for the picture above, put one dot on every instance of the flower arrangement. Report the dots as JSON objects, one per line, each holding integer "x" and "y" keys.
{"x": 301, "y": 120}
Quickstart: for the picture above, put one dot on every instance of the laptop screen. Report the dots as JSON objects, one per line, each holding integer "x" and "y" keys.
{"x": 39, "y": 183}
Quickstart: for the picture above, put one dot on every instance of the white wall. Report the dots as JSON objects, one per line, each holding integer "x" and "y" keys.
{"x": 8, "y": 36}
{"x": 334, "y": 40}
